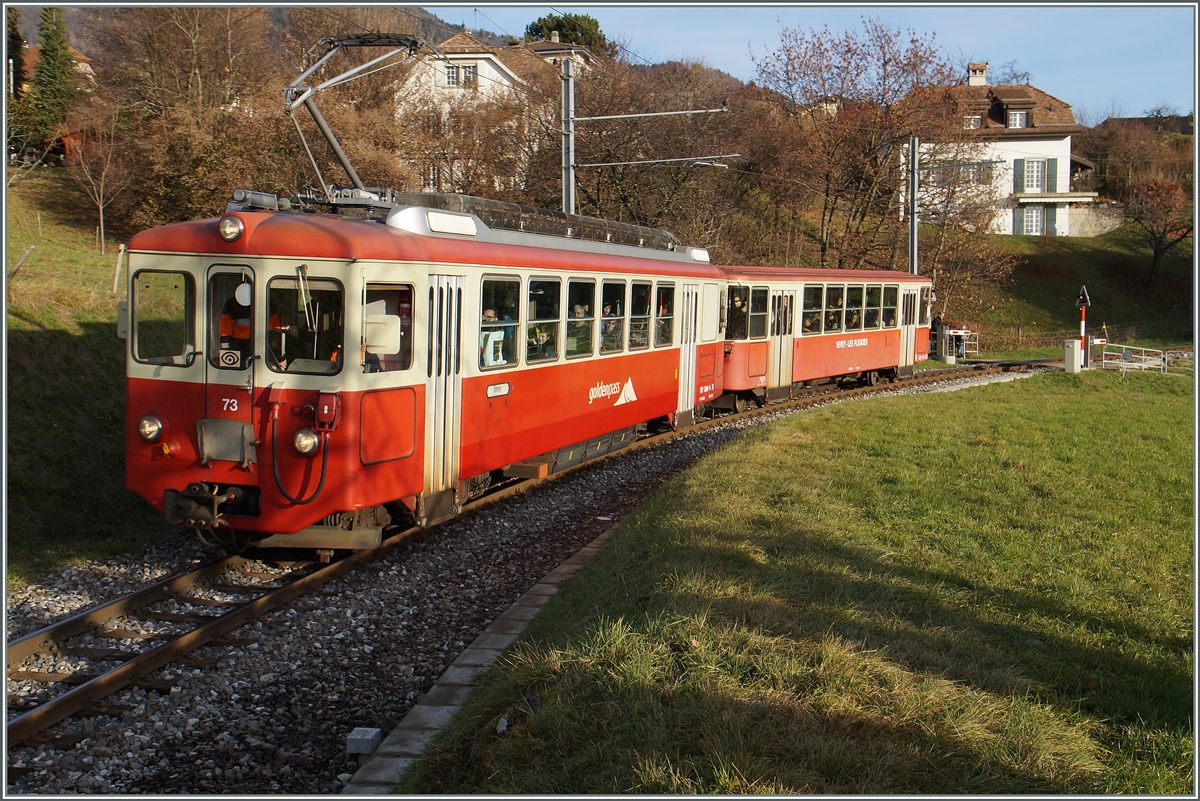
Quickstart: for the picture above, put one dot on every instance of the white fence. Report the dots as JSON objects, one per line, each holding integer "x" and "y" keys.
{"x": 1126, "y": 357}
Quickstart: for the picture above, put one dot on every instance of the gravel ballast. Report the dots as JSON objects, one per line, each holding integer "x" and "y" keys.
{"x": 273, "y": 713}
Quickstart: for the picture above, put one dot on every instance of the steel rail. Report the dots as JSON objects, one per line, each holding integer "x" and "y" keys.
{"x": 68, "y": 703}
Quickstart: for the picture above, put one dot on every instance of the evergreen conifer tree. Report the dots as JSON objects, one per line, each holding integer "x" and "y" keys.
{"x": 53, "y": 85}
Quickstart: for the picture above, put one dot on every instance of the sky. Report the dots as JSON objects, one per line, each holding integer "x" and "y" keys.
{"x": 1103, "y": 60}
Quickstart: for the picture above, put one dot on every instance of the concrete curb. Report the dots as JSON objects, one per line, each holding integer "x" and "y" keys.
{"x": 383, "y": 769}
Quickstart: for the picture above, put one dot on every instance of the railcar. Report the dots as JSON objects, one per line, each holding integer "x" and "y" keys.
{"x": 788, "y": 328}
{"x": 299, "y": 378}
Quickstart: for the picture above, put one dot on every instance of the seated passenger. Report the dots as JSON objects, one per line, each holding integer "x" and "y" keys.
{"x": 538, "y": 343}
{"x": 833, "y": 322}
{"x": 811, "y": 323}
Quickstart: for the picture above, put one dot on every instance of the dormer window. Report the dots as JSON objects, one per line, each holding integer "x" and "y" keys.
{"x": 972, "y": 121}
{"x": 1018, "y": 119}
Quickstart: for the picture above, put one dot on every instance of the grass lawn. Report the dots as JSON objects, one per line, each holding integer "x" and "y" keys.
{"x": 66, "y": 497}
{"x": 985, "y": 591}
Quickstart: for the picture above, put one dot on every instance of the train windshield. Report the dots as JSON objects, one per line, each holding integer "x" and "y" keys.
{"x": 305, "y": 326}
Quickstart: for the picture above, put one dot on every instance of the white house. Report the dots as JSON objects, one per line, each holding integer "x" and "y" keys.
{"x": 1029, "y": 133}
{"x": 471, "y": 73}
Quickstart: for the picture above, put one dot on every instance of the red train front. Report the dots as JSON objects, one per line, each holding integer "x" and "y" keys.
{"x": 298, "y": 378}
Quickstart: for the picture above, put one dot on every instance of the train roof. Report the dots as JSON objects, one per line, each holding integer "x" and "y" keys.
{"x": 746, "y": 273}
{"x": 415, "y": 234}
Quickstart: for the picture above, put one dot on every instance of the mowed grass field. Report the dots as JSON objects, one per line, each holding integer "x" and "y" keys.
{"x": 984, "y": 591}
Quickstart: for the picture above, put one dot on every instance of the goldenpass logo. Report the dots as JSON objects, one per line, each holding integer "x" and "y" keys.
{"x": 602, "y": 390}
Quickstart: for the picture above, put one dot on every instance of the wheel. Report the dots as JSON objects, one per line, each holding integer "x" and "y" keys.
{"x": 872, "y": 378}
{"x": 740, "y": 404}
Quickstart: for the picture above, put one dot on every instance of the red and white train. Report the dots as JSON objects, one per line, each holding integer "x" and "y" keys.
{"x": 299, "y": 377}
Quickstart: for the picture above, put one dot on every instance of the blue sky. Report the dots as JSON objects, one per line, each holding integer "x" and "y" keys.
{"x": 1103, "y": 60}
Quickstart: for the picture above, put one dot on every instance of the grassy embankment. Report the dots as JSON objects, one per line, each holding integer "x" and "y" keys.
{"x": 1040, "y": 300}
{"x": 987, "y": 591}
{"x": 66, "y": 497}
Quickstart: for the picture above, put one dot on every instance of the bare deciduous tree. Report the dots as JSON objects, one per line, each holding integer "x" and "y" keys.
{"x": 849, "y": 102}
{"x": 98, "y": 162}
{"x": 1161, "y": 217}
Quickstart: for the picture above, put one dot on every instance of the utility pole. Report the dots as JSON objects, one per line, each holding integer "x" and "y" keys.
{"x": 913, "y": 143}
{"x": 568, "y": 135}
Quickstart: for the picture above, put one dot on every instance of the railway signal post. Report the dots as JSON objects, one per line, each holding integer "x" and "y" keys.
{"x": 1082, "y": 303}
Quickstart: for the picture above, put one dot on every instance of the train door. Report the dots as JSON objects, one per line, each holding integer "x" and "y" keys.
{"x": 779, "y": 363}
{"x": 443, "y": 372}
{"x": 687, "y": 356}
{"x": 908, "y": 328}
{"x": 226, "y": 432}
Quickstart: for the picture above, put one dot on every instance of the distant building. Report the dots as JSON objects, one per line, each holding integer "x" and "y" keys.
{"x": 1029, "y": 133}
{"x": 473, "y": 73}
{"x": 1159, "y": 123}
{"x": 83, "y": 66}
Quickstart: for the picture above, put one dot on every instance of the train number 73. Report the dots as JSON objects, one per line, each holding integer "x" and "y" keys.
{"x": 230, "y": 404}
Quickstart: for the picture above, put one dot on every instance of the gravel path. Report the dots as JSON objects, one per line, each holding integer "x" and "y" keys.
{"x": 272, "y": 715}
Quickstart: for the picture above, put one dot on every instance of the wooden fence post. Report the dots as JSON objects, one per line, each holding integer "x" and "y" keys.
{"x": 13, "y": 272}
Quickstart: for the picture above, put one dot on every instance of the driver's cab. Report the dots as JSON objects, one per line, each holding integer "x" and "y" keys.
{"x": 305, "y": 323}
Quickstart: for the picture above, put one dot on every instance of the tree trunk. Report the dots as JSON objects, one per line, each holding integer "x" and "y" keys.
{"x": 1158, "y": 254}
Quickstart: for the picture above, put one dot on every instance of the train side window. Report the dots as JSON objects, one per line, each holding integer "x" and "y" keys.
{"x": 581, "y": 299}
{"x": 501, "y": 313}
{"x": 923, "y": 310}
{"x": 890, "y": 294}
{"x": 664, "y": 315}
{"x": 541, "y": 335}
{"x": 758, "y": 312}
{"x": 739, "y": 306}
{"x": 810, "y": 317}
{"x": 871, "y": 312}
{"x": 387, "y": 307}
{"x": 164, "y": 309}
{"x": 612, "y": 321}
{"x": 854, "y": 308}
{"x": 639, "y": 317}
{"x": 305, "y": 325}
{"x": 834, "y": 306}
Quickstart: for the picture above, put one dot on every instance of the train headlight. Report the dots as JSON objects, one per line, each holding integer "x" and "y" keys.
{"x": 150, "y": 427}
{"x": 230, "y": 228}
{"x": 306, "y": 441}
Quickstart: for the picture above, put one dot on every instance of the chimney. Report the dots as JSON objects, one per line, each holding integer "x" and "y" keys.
{"x": 977, "y": 74}
{"x": 554, "y": 36}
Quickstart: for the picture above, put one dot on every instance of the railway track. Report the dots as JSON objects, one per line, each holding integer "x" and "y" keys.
{"x": 171, "y": 618}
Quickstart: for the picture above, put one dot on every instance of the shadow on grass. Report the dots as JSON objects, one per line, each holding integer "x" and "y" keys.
{"x": 66, "y": 449}
{"x": 578, "y": 739}
{"x": 925, "y": 619}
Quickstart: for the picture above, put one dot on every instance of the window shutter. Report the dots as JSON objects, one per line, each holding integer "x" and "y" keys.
{"x": 1051, "y": 175}
{"x": 1018, "y": 220}
{"x": 1018, "y": 175}
{"x": 1051, "y": 228}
